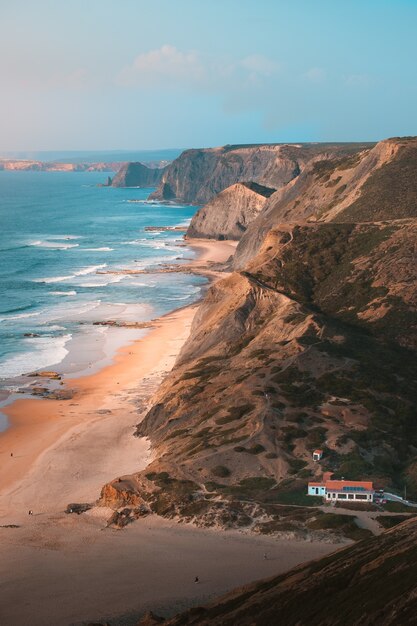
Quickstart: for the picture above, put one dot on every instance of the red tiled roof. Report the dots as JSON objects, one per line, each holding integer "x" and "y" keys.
{"x": 318, "y": 452}
{"x": 316, "y": 484}
{"x": 338, "y": 485}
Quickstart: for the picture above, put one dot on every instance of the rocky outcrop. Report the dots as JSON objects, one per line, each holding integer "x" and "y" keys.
{"x": 378, "y": 183}
{"x": 137, "y": 175}
{"x": 197, "y": 176}
{"x": 370, "y": 583}
{"x": 228, "y": 215}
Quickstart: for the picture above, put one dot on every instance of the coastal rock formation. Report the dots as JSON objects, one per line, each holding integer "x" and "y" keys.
{"x": 381, "y": 572}
{"x": 310, "y": 342}
{"x": 137, "y": 175}
{"x": 196, "y": 176}
{"x": 377, "y": 183}
{"x": 311, "y": 345}
{"x": 228, "y": 215}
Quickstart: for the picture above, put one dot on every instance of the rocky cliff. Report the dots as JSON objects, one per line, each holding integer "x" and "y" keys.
{"x": 196, "y": 176}
{"x": 373, "y": 582}
{"x": 376, "y": 183}
{"x": 228, "y": 215}
{"x": 311, "y": 345}
{"x": 137, "y": 175}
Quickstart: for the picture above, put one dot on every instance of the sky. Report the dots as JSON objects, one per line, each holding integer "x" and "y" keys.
{"x": 134, "y": 74}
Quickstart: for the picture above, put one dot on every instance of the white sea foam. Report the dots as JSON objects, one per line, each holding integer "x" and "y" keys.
{"x": 63, "y": 293}
{"x": 19, "y": 316}
{"x": 89, "y": 270}
{"x": 41, "y": 352}
{"x": 82, "y": 272}
{"x": 53, "y": 279}
{"x": 103, "y": 249}
{"x": 54, "y": 245}
{"x": 104, "y": 279}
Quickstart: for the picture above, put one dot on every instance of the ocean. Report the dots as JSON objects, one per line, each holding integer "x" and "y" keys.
{"x": 57, "y": 231}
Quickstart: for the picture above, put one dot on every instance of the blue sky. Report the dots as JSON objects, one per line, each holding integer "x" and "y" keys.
{"x": 133, "y": 74}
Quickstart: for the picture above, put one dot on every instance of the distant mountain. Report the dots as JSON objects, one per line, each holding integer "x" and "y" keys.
{"x": 92, "y": 156}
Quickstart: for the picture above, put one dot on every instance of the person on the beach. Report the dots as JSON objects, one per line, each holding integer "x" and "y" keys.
{"x": 265, "y": 556}
{"x": 196, "y": 579}
{"x": 11, "y": 453}
{"x": 30, "y": 512}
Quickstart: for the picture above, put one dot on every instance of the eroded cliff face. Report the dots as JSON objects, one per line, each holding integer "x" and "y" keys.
{"x": 311, "y": 345}
{"x": 377, "y": 183}
{"x": 228, "y": 215}
{"x": 196, "y": 176}
{"x": 137, "y": 175}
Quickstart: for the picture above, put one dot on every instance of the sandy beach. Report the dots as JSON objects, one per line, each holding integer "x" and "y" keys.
{"x": 64, "y": 451}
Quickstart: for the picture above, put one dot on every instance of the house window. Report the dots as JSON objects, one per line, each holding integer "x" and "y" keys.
{"x": 317, "y": 491}
{"x": 341, "y": 496}
{"x": 350, "y": 496}
{"x": 361, "y": 496}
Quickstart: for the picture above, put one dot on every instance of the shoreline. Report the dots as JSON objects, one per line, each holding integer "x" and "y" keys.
{"x": 37, "y": 424}
{"x": 66, "y": 451}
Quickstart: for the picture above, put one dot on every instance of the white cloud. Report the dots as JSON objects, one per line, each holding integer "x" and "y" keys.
{"x": 259, "y": 64}
{"x": 316, "y": 75}
{"x": 168, "y": 66}
{"x": 164, "y": 65}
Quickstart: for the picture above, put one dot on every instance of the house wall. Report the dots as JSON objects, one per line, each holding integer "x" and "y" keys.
{"x": 366, "y": 496}
{"x": 316, "y": 491}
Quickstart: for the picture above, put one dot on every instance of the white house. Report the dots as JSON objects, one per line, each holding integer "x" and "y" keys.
{"x": 317, "y": 455}
{"x": 342, "y": 490}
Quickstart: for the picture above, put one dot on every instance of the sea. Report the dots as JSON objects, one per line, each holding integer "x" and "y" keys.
{"x": 60, "y": 233}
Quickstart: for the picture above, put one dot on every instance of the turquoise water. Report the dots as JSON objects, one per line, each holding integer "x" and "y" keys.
{"x": 57, "y": 231}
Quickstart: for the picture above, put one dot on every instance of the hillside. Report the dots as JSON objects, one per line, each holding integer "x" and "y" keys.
{"x": 313, "y": 344}
{"x": 372, "y": 582}
{"x": 196, "y": 176}
{"x": 228, "y": 215}
{"x": 377, "y": 183}
{"x": 137, "y": 175}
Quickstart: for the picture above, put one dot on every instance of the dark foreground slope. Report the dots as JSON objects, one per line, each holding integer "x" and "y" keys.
{"x": 371, "y": 583}
{"x": 196, "y": 176}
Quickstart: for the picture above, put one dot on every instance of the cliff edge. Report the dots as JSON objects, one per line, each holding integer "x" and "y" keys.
{"x": 228, "y": 215}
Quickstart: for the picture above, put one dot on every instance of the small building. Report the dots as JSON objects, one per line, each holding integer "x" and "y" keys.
{"x": 317, "y": 455}
{"x": 343, "y": 490}
{"x": 316, "y": 489}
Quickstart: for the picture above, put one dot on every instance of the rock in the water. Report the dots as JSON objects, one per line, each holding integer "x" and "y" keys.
{"x": 137, "y": 175}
